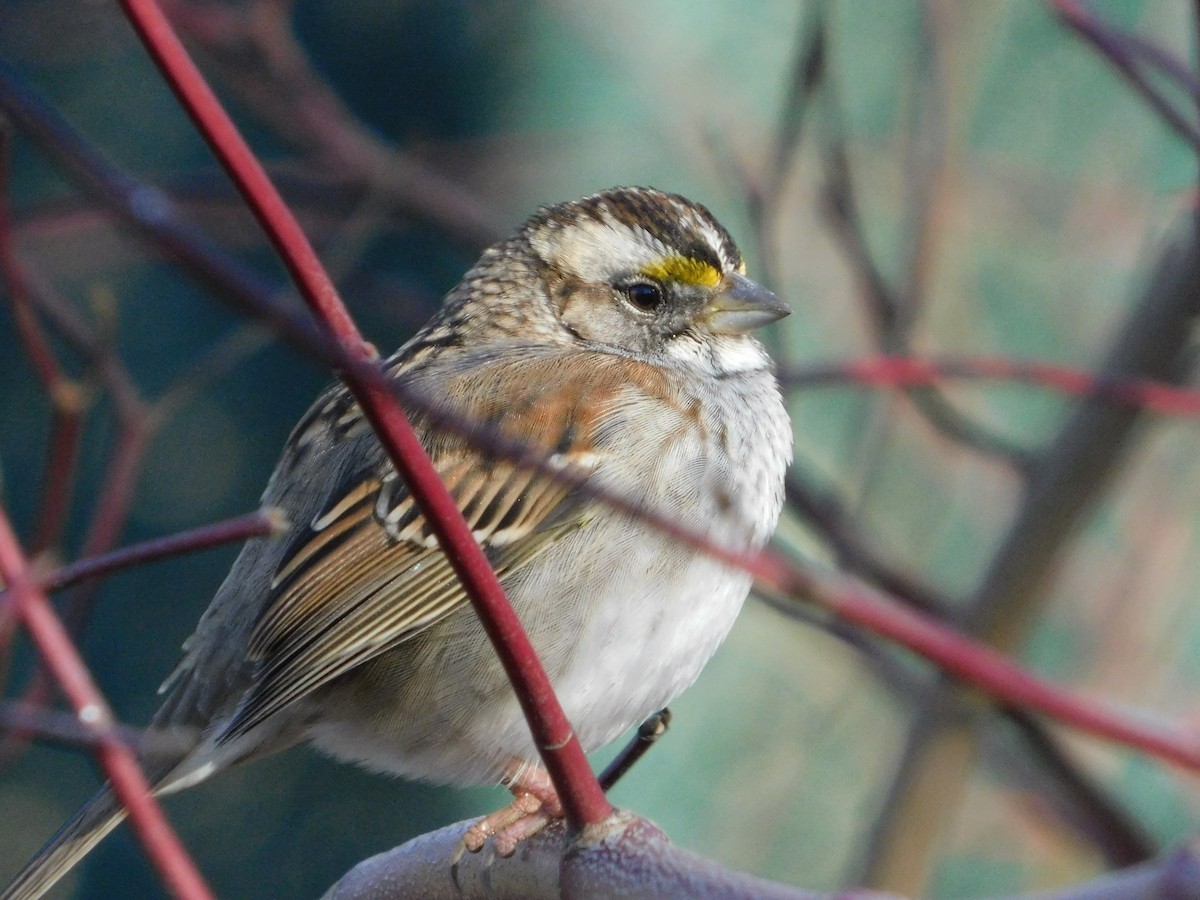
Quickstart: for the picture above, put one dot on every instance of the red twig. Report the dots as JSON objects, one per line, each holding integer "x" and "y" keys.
{"x": 582, "y": 798}
{"x": 256, "y": 524}
{"x": 909, "y": 371}
{"x": 62, "y": 457}
{"x": 66, "y": 395}
{"x": 972, "y": 662}
{"x": 119, "y": 762}
{"x": 1002, "y": 679}
{"x": 37, "y": 348}
{"x": 112, "y": 506}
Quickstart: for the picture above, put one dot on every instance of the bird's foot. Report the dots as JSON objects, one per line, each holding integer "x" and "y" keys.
{"x": 535, "y": 804}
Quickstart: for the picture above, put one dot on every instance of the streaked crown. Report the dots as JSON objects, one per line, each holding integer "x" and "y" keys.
{"x": 626, "y": 231}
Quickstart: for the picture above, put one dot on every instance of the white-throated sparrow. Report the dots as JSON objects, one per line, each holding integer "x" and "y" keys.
{"x": 612, "y": 333}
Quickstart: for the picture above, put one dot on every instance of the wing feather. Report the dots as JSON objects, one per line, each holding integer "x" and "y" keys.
{"x": 367, "y": 572}
{"x": 352, "y": 591}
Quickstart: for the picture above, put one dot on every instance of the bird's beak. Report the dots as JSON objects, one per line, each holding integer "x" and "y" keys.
{"x": 740, "y": 305}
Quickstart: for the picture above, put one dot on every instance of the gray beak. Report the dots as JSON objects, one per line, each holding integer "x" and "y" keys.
{"x": 740, "y": 306}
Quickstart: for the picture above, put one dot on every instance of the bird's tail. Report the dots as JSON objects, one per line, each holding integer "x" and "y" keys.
{"x": 98, "y": 817}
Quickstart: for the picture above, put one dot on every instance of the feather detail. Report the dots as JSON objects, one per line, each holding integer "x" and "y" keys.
{"x": 367, "y": 573}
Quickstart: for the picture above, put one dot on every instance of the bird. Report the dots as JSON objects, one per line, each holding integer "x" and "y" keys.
{"x": 614, "y": 336}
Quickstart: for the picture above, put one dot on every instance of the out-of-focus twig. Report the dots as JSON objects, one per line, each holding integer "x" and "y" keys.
{"x": 68, "y": 396}
{"x": 888, "y": 311}
{"x": 1083, "y": 801}
{"x": 1125, "y": 53}
{"x": 834, "y": 523}
{"x": 1069, "y": 476}
{"x": 807, "y": 73}
{"x": 561, "y": 752}
{"x": 257, "y": 524}
{"x": 1134, "y": 393}
{"x": 255, "y": 52}
{"x": 145, "y": 209}
{"x": 31, "y": 721}
{"x": 119, "y": 762}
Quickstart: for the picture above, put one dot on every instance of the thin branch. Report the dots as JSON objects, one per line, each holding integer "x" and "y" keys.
{"x": 112, "y": 505}
{"x": 36, "y": 346}
{"x": 890, "y": 314}
{"x": 763, "y": 195}
{"x": 119, "y": 762}
{"x": 62, "y": 458}
{"x": 68, "y": 398}
{"x": 581, "y": 796}
{"x": 210, "y": 366}
{"x": 826, "y": 513}
{"x": 28, "y": 720}
{"x": 257, "y": 524}
{"x": 772, "y": 572}
{"x": 1090, "y": 809}
{"x": 255, "y": 51}
{"x": 1122, "y": 53}
{"x": 808, "y": 72}
{"x": 148, "y": 211}
{"x": 106, "y": 367}
{"x": 648, "y": 734}
{"x": 840, "y": 205}
{"x": 925, "y": 163}
{"x": 1144, "y": 394}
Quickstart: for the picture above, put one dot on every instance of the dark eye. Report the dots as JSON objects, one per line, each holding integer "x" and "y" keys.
{"x": 645, "y": 295}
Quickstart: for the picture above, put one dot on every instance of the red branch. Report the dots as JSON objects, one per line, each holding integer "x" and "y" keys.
{"x": 1177, "y": 745}
{"x": 66, "y": 396}
{"x": 255, "y": 524}
{"x": 969, "y": 660}
{"x": 979, "y": 665}
{"x": 119, "y": 762}
{"x": 973, "y": 663}
{"x": 580, "y": 793}
{"x": 909, "y": 371}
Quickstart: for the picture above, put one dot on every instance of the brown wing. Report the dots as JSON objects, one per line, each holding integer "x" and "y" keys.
{"x": 368, "y": 573}
{"x": 362, "y": 583}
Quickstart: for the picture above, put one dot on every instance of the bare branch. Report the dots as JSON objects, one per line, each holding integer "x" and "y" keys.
{"x": 561, "y": 752}
{"x": 119, "y": 761}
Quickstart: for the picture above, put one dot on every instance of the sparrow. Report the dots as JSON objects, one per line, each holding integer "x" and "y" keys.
{"x": 611, "y": 334}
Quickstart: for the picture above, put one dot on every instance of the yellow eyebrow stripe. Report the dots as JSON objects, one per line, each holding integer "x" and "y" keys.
{"x": 683, "y": 269}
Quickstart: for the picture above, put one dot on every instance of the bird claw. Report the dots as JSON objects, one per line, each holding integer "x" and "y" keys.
{"x": 535, "y": 804}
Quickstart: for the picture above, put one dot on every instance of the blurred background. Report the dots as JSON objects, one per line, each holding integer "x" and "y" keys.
{"x": 932, "y": 177}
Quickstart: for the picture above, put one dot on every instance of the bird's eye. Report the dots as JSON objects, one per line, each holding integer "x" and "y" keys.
{"x": 644, "y": 295}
